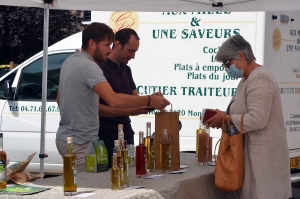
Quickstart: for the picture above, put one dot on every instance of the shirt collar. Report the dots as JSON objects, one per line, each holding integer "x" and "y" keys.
{"x": 113, "y": 64}
{"x": 84, "y": 54}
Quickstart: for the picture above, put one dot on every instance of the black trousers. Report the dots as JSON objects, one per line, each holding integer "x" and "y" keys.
{"x": 109, "y": 143}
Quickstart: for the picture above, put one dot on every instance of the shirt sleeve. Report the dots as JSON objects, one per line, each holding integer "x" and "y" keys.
{"x": 92, "y": 74}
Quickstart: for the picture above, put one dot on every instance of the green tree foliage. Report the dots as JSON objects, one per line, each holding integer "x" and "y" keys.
{"x": 21, "y": 30}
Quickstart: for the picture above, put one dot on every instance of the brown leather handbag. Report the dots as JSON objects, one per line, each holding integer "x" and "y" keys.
{"x": 230, "y": 165}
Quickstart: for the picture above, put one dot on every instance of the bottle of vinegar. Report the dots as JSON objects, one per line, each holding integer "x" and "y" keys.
{"x": 141, "y": 157}
{"x": 70, "y": 171}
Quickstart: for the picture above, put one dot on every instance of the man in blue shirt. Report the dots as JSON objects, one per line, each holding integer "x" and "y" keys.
{"x": 119, "y": 76}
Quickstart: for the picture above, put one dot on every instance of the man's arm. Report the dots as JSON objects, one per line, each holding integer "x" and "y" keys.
{"x": 107, "y": 111}
{"x": 104, "y": 90}
{"x": 134, "y": 92}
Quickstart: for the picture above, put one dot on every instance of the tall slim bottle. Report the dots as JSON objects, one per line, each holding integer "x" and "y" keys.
{"x": 120, "y": 131}
{"x": 70, "y": 171}
{"x": 165, "y": 152}
{"x": 3, "y": 166}
{"x": 201, "y": 127}
{"x": 120, "y": 163}
{"x": 149, "y": 143}
{"x": 124, "y": 153}
{"x": 141, "y": 157}
{"x": 115, "y": 173}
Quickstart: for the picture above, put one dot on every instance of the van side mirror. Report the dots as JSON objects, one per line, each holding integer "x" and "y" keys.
{"x": 7, "y": 93}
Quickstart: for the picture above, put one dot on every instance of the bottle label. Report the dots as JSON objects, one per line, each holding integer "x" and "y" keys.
{"x": 2, "y": 171}
{"x": 75, "y": 176}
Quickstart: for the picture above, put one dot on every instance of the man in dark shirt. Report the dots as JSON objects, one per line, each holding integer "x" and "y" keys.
{"x": 119, "y": 76}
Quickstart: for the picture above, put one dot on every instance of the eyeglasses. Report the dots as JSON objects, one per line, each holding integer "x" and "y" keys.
{"x": 227, "y": 64}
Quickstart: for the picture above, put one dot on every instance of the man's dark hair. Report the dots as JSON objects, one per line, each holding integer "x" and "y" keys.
{"x": 124, "y": 35}
{"x": 98, "y": 32}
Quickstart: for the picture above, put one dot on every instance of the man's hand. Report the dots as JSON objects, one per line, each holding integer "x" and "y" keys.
{"x": 158, "y": 102}
{"x": 139, "y": 110}
{"x": 216, "y": 120}
{"x": 158, "y": 94}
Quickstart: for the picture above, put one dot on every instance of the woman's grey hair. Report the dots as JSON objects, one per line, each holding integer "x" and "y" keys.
{"x": 232, "y": 47}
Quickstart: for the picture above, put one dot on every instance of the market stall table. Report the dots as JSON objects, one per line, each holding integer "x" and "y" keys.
{"x": 196, "y": 182}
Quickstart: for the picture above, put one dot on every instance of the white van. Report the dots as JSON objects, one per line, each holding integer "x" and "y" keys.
{"x": 21, "y": 108}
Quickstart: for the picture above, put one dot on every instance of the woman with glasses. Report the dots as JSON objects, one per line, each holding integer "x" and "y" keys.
{"x": 267, "y": 170}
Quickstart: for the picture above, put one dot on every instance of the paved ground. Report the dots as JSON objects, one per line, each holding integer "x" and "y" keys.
{"x": 296, "y": 193}
{"x": 295, "y": 184}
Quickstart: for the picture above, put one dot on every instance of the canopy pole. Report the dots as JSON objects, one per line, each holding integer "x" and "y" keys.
{"x": 42, "y": 154}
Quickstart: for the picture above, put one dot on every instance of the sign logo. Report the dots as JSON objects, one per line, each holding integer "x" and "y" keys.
{"x": 119, "y": 20}
{"x": 276, "y": 39}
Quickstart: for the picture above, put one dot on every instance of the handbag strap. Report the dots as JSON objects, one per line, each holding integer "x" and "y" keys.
{"x": 216, "y": 149}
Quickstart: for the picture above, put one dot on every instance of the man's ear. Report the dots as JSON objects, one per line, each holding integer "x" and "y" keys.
{"x": 118, "y": 44}
{"x": 92, "y": 44}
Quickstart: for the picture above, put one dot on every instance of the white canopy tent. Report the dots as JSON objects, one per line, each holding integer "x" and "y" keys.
{"x": 138, "y": 5}
{"x": 162, "y": 5}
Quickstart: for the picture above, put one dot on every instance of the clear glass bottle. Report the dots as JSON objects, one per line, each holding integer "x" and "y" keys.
{"x": 141, "y": 157}
{"x": 3, "y": 166}
{"x": 120, "y": 162}
{"x": 70, "y": 170}
{"x": 120, "y": 131}
{"x": 124, "y": 153}
{"x": 115, "y": 173}
{"x": 203, "y": 146}
{"x": 199, "y": 130}
{"x": 165, "y": 152}
{"x": 149, "y": 143}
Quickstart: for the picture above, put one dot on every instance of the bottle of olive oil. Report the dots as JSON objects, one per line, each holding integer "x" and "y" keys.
{"x": 115, "y": 173}
{"x": 124, "y": 153}
{"x": 149, "y": 143}
{"x": 3, "y": 166}
{"x": 70, "y": 171}
{"x": 120, "y": 163}
{"x": 165, "y": 152}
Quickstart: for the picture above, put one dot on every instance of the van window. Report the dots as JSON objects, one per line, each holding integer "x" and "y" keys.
{"x": 31, "y": 78}
{"x": 11, "y": 78}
